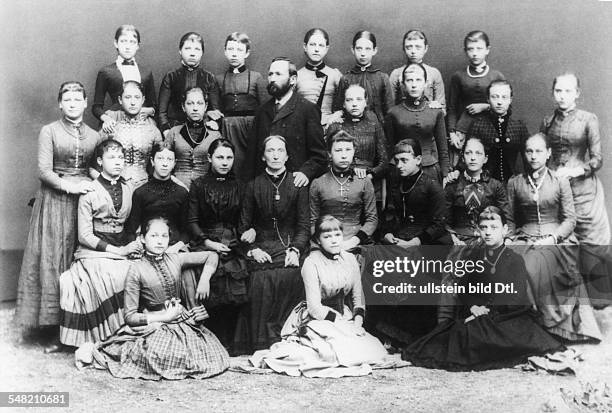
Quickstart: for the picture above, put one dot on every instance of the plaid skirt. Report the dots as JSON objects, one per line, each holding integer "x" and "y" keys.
{"x": 170, "y": 351}
{"x": 91, "y": 300}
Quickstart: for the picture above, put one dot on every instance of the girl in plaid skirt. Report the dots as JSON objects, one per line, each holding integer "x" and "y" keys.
{"x": 161, "y": 338}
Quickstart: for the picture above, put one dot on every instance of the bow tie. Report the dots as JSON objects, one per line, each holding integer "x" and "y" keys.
{"x": 128, "y": 62}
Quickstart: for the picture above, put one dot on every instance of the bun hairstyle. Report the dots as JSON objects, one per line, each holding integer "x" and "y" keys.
{"x": 71, "y": 86}
{"x": 492, "y": 213}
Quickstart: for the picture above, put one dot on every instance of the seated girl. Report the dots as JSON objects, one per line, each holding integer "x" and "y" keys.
{"x": 136, "y": 134}
{"x": 342, "y": 193}
{"x": 161, "y": 338}
{"x": 160, "y": 197}
{"x": 212, "y": 220}
{"x": 543, "y": 209}
{"x": 274, "y": 224}
{"x": 190, "y": 140}
{"x": 91, "y": 290}
{"x": 471, "y": 192}
{"x": 323, "y": 337}
{"x": 487, "y": 330}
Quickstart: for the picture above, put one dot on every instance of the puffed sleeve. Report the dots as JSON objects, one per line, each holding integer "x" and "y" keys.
{"x": 46, "y": 173}
{"x": 312, "y": 288}
{"x": 131, "y": 298}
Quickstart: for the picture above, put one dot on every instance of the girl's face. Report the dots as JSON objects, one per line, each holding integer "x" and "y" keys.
{"x": 131, "y": 100}
{"x": 536, "y": 152}
{"x": 275, "y": 154}
{"x": 364, "y": 51}
{"x": 236, "y": 53}
{"x": 566, "y": 92}
{"x": 477, "y": 52}
{"x": 222, "y": 160}
{"x": 414, "y": 82}
{"x": 73, "y": 105}
{"x": 316, "y": 49}
{"x": 500, "y": 98}
{"x": 157, "y": 238}
{"x": 127, "y": 45}
{"x": 191, "y": 53}
{"x": 331, "y": 241}
{"x": 415, "y": 50}
{"x": 474, "y": 155}
{"x": 342, "y": 154}
{"x": 163, "y": 163}
{"x": 407, "y": 164}
{"x": 112, "y": 162}
{"x": 492, "y": 232}
{"x": 355, "y": 101}
{"x": 195, "y": 105}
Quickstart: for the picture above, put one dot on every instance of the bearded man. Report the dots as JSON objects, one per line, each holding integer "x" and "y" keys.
{"x": 297, "y": 120}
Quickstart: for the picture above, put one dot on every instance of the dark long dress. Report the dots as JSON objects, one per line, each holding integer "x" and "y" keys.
{"x": 415, "y": 209}
{"x": 280, "y": 223}
{"x": 159, "y": 198}
{"x": 506, "y": 336}
{"x": 164, "y": 350}
{"x": 214, "y": 213}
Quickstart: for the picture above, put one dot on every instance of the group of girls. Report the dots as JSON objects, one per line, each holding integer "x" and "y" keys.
{"x": 143, "y": 239}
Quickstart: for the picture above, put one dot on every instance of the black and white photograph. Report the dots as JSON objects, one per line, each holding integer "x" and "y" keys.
{"x": 306, "y": 205}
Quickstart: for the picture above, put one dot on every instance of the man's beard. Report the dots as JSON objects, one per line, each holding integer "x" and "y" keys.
{"x": 278, "y": 91}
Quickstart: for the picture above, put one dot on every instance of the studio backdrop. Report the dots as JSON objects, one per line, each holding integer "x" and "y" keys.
{"x": 47, "y": 42}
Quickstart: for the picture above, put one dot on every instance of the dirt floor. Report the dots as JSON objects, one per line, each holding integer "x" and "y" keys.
{"x": 24, "y": 367}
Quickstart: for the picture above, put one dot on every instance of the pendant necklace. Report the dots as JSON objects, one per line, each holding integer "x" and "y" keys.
{"x": 494, "y": 264}
{"x": 342, "y": 184}
{"x": 404, "y": 193}
{"x": 276, "y": 187}
{"x": 536, "y": 191}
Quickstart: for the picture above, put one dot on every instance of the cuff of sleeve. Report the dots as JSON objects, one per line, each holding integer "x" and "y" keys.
{"x": 359, "y": 311}
{"x": 101, "y": 245}
{"x": 363, "y": 237}
{"x": 331, "y": 316}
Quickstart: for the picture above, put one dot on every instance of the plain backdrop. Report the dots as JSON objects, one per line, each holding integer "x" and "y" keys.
{"x": 47, "y": 42}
